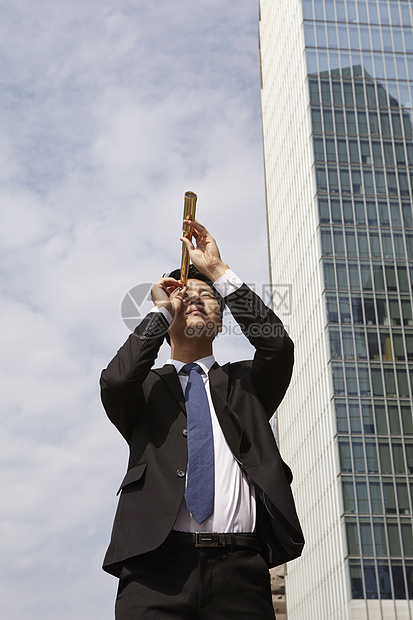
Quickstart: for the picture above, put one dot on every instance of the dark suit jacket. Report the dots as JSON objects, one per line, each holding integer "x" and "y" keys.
{"x": 147, "y": 406}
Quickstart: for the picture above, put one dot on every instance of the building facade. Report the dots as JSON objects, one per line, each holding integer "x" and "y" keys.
{"x": 337, "y": 107}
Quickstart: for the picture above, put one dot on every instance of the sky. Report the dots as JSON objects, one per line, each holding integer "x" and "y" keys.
{"x": 109, "y": 112}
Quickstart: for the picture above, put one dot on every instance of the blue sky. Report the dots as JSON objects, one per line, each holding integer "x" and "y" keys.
{"x": 110, "y": 111}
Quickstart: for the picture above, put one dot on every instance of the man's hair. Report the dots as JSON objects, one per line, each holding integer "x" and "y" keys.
{"x": 195, "y": 274}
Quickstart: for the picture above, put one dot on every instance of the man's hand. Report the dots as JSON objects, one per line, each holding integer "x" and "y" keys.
{"x": 169, "y": 294}
{"x": 205, "y": 256}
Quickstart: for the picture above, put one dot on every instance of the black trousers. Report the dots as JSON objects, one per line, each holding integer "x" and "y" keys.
{"x": 189, "y": 583}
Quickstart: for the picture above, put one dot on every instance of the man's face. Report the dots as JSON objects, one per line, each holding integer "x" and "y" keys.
{"x": 200, "y": 312}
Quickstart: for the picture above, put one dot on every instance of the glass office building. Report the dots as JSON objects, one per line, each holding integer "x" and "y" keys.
{"x": 337, "y": 105}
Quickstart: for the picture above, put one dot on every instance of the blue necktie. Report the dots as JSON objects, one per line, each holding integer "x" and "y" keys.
{"x": 201, "y": 477}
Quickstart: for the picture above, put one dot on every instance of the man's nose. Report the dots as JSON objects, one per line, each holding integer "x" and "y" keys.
{"x": 194, "y": 298}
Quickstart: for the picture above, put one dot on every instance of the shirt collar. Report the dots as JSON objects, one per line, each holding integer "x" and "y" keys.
{"x": 206, "y": 363}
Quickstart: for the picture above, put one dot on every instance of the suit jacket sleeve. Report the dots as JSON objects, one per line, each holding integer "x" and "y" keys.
{"x": 274, "y": 357}
{"x": 121, "y": 382}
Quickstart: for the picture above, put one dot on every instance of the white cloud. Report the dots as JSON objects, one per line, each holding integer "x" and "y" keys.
{"x": 109, "y": 112}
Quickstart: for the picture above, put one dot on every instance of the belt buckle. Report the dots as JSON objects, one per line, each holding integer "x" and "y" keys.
{"x": 207, "y": 539}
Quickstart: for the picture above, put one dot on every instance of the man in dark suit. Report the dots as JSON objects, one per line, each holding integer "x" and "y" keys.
{"x": 205, "y": 506}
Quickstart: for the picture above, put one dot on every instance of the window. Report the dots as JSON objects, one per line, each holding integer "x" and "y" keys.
{"x": 395, "y": 214}
{"x": 366, "y": 276}
{"x": 389, "y": 382}
{"x": 357, "y": 309}
{"x": 394, "y": 312}
{"x": 370, "y": 580}
{"x": 341, "y": 276}
{"x": 329, "y": 275}
{"x": 394, "y": 538}
{"x": 406, "y": 312}
{"x": 328, "y": 120}
{"x": 384, "y": 579}
{"x": 345, "y": 314}
{"x": 375, "y": 244}
{"x": 356, "y": 580}
{"x": 336, "y": 86}
{"x": 378, "y": 276}
{"x": 352, "y": 537}
{"x": 380, "y": 538}
{"x": 409, "y": 243}
{"x": 362, "y": 496}
{"x": 363, "y": 244}
{"x": 318, "y": 149}
{"x": 385, "y": 458}
{"x": 371, "y": 455}
{"x": 385, "y": 123}
{"x": 326, "y": 244}
{"x": 376, "y": 380}
{"x": 338, "y": 242}
{"x": 394, "y": 420}
{"x": 361, "y": 349}
{"x": 354, "y": 278}
{"x": 345, "y": 455}
{"x": 402, "y": 382}
{"x": 332, "y": 309}
{"x": 367, "y": 417}
{"x": 358, "y": 457}
{"x": 362, "y": 121}
{"x": 351, "y": 243}
{"x": 387, "y": 245}
{"x": 407, "y": 537}
{"x": 356, "y": 180}
{"x": 398, "y": 580}
{"x": 341, "y": 417}
{"x": 403, "y": 498}
{"x": 321, "y": 179}
{"x": 407, "y": 420}
{"x": 390, "y": 279}
{"x": 338, "y": 382}
{"x": 351, "y": 122}
{"x": 316, "y": 119}
{"x": 359, "y": 210}
{"x": 355, "y": 423}
{"x": 323, "y": 211}
{"x": 398, "y": 457}
{"x": 366, "y": 537}
{"x": 335, "y": 343}
{"x": 389, "y": 498}
{"x": 373, "y": 344}
{"x": 330, "y": 150}
{"x": 381, "y": 421}
{"x": 385, "y": 345}
{"x": 375, "y": 497}
{"x": 400, "y": 252}
{"x": 382, "y": 314}
{"x": 351, "y": 380}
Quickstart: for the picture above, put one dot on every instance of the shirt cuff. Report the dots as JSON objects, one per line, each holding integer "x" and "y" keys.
{"x": 164, "y": 311}
{"x": 228, "y": 283}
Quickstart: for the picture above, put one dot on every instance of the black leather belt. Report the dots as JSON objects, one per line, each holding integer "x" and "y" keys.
{"x": 214, "y": 539}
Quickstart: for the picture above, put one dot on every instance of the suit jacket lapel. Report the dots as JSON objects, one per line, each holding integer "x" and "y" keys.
{"x": 170, "y": 376}
{"x": 228, "y": 419}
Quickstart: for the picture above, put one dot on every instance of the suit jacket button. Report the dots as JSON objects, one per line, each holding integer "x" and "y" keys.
{"x": 180, "y": 473}
{"x": 185, "y": 432}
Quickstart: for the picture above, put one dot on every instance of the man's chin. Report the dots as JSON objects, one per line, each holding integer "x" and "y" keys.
{"x": 200, "y": 325}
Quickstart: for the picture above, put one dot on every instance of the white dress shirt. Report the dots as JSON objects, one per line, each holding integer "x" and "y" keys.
{"x": 234, "y": 500}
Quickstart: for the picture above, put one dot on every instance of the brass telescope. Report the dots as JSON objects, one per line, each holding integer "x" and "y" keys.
{"x": 189, "y": 214}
